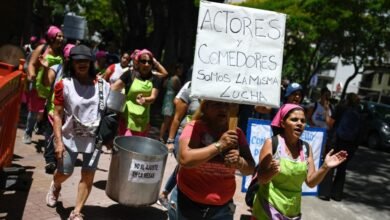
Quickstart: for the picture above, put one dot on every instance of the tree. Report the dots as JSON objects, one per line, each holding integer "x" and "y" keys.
{"x": 311, "y": 27}
{"x": 319, "y": 30}
{"x": 366, "y": 35}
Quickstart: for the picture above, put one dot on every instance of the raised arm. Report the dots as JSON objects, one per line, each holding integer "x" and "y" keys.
{"x": 160, "y": 70}
{"x": 34, "y": 63}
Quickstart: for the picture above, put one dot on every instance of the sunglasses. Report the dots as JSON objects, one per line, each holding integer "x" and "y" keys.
{"x": 150, "y": 62}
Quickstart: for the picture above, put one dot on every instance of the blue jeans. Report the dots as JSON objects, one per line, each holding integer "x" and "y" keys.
{"x": 31, "y": 119}
{"x": 49, "y": 154}
{"x": 188, "y": 210}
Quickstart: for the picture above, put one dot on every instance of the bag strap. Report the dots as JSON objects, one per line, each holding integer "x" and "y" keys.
{"x": 44, "y": 48}
{"x": 275, "y": 142}
{"x": 306, "y": 150}
{"x": 101, "y": 103}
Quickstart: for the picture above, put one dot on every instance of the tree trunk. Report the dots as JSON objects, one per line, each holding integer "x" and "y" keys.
{"x": 158, "y": 37}
{"x": 136, "y": 11}
{"x": 347, "y": 83}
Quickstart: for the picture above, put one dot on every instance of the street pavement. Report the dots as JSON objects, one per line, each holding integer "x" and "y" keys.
{"x": 367, "y": 191}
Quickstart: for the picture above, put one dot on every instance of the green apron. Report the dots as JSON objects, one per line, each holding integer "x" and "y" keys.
{"x": 138, "y": 115}
{"x": 284, "y": 191}
{"x": 44, "y": 91}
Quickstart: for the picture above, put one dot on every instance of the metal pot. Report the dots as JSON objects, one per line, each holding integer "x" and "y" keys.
{"x": 116, "y": 101}
{"x": 136, "y": 170}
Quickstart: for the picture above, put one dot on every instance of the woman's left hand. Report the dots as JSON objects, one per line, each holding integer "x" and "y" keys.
{"x": 233, "y": 159}
{"x": 336, "y": 159}
{"x": 140, "y": 99}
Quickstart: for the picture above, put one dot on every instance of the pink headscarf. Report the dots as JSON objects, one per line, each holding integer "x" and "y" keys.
{"x": 42, "y": 41}
{"x": 33, "y": 39}
{"x": 283, "y": 111}
{"x": 143, "y": 51}
{"x": 100, "y": 54}
{"x": 134, "y": 54}
{"x": 67, "y": 50}
{"x": 52, "y": 32}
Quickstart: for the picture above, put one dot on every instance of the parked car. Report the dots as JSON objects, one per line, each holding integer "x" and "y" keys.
{"x": 375, "y": 128}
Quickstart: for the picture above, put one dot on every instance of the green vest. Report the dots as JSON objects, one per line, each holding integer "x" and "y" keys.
{"x": 138, "y": 115}
{"x": 284, "y": 191}
{"x": 44, "y": 91}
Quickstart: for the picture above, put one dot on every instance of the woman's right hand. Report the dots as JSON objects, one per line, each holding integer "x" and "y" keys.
{"x": 229, "y": 140}
{"x": 170, "y": 147}
{"x": 59, "y": 150}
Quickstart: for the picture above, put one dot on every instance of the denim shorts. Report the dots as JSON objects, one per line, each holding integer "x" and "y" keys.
{"x": 66, "y": 166}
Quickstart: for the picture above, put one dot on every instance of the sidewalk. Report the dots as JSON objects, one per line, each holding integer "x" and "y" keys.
{"x": 367, "y": 191}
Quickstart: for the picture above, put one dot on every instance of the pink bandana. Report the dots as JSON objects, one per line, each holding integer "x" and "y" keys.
{"x": 52, "y": 32}
{"x": 144, "y": 51}
{"x": 67, "y": 50}
{"x": 283, "y": 111}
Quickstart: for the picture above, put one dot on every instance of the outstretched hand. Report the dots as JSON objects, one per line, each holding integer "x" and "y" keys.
{"x": 336, "y": 159}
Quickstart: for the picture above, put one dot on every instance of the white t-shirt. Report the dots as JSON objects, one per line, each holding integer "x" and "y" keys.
{"x": 318, "y": 117}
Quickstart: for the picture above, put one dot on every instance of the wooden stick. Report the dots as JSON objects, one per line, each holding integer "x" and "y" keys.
{"x": 233, "y": 116}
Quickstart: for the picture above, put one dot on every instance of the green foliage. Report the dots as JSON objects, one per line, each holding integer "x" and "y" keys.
{"x": 99, "y": 13}
{"x": 318, "y": 30}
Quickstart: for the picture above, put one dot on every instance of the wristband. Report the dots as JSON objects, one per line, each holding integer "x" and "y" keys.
{"x": 218, "y": 146}
{"x": 170, "y": 141}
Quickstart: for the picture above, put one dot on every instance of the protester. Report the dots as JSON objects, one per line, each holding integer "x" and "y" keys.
{"x": 115, "y": 71}
{"x": 52, "y": 53}
{"x": 282, "y": 174}
{"x": 172, "y": 86}
{"x": 319, "y": 113}
{"x": 209, "y": 155}
{"x": 30, "y": 47}
{"x": 100, "y": 62}
{"x": 185, "y": 107}
{"x": 293, "y": 94}
{"x": 347, "y": 129}
{"x": 54, "y": 73}
{"x": 142, "y": 88}
{"x": 76, "y": 119}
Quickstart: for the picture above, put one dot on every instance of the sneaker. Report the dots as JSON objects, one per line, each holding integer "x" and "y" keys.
{"x": 26, "y": 139}
{"x": 50, "y": 168}
{"x": 52, "y": 195}
{"x": 163, "y": 201}
{"x": 75, "y": 216}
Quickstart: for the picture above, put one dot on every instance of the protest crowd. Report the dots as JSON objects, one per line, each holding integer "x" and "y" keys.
{"x": 79, "y": 97}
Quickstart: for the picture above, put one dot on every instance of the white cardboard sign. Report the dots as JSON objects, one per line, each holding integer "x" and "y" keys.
{"x": 238, "y": 54}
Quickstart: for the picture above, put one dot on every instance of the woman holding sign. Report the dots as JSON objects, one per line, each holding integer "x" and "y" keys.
{"x": 209, "y": 155}
{"x": 282, "y": 173}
